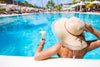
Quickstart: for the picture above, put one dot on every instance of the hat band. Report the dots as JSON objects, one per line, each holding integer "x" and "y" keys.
{"x": 68, "y": 30}
{"x": 79, "y": 36}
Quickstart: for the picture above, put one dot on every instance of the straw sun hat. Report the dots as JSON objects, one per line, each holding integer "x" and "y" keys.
{"x": 70, "y": 33}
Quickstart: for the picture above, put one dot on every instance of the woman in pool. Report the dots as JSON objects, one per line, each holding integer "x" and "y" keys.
{"x": 72, "y": 43}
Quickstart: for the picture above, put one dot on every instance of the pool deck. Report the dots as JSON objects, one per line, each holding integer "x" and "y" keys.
{"x": 51, "y": 12}
{"x": 15, "y": 14}
{"x": 13, "y": 61}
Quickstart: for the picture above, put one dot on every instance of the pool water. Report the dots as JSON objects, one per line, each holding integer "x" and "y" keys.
{"x": 19, "y": 35}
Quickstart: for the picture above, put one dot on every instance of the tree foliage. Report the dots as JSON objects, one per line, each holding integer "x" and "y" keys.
{"x": 89, "y": 0}
{"x": 44, "y": 8}
{"x": 19, "y": 2}
{"x": 89, "y": 5}
{"x": 2, "y": 1}
{"x": 83, "y": 0}
{"x": 26, "y": 3}
{"x": 30, "y": 5}
{"x": 58, "y": 7}
{"x": 35, "y": 6}
{"x": 50, "y": 4}
{"x": 73, "y": 2}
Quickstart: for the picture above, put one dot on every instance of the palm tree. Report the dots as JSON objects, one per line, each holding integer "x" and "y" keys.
{"x": 8, "y": 1}
{"x": 57, "y": 7}
{"x": 2, "y": 1}
{"x": 89, "y": 0}
{"x": 60, "y": 6}
{"x": 30, "y": 5}
{"x": 74, "y": 1}
{"x": 26, "y": 3}
{"x": 83, "y": 0}
{"x": 40, "y": 7}
{"x": 35, "y": 6}
{"x": 92, "y": 0}
{"x": 19, "y": 3}
{"x": 42, "y": 3}
{"x": 50, "y": 4}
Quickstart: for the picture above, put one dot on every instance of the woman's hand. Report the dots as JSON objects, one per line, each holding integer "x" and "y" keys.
{"x": 88, "y": 28}
{"x": 42, "y": 41}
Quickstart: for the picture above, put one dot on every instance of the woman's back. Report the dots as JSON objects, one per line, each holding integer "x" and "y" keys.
{"x": 65, "y": 52}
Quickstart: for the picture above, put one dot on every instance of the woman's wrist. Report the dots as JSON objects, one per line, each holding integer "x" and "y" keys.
{"x": 41, "y": 44}
{"x": 42, "y": 41}
{"x": 96, "y": 33}
{"x": 92, "y": 30}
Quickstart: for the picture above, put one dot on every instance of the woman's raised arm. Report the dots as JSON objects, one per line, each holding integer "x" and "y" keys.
{"x": 95, "y": 43}
{"x": 89, "y": 28}
{"x": 44, "y": 54}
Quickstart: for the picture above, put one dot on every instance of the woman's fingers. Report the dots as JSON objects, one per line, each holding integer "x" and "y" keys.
{"x": 85, "y": 30}
{"x": 88, "y": 27}
{"x": 42, "y": 41}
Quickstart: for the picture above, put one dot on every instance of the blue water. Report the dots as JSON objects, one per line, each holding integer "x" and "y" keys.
{"x": 19, "y": 35}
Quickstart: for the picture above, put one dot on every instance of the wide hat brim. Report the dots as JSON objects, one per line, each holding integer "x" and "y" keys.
{"x": 67, "y": 39}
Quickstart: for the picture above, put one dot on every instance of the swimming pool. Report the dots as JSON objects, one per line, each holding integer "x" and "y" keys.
{"x": 19, "y": 35}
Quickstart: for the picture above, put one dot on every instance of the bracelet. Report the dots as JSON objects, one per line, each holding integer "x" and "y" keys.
{"x": 40, "y": 44}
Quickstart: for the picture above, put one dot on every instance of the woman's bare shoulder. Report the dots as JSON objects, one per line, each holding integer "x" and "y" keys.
{"x": 58, "y": 44}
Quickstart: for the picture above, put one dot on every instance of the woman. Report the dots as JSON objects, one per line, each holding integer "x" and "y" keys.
{"x": 72, "y": 44}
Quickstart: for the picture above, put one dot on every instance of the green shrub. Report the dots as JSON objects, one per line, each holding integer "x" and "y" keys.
{"x": 2, "y": 1}
{"x": 2, "y": 9}
{"x": 19, "y": 10}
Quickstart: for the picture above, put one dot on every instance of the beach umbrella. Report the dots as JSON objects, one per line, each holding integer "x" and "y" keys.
{"x": 10, "y": 6}
{"x": 80, "y": 4}
{"x": 24, "y": 9}
{"x": 4, "y": 6}
{"x": 75, "y": 5}
{"x": 68, "y": 8}
{"x": 89, "y": 5}
{"x": 96, "y": 2}
{"x": 1, "y": 5}
{"x": 48, "y": 10}
{"x": 17, "y": 7}
{"x": 29, "y": 9}
{"x": 87, "y": 2}
{"x": 13, "y": 6}
{"x": 72, "y": 6}
{"x": 55, "y": 9}
{"x": 36, "y": 9}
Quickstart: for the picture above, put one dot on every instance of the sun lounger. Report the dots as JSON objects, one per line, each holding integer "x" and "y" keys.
{"x": 9, "y": 12}
{"x": 17, "y": 12}
{"x": 97, "y": 10}
{"x": 3, "y": 12}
